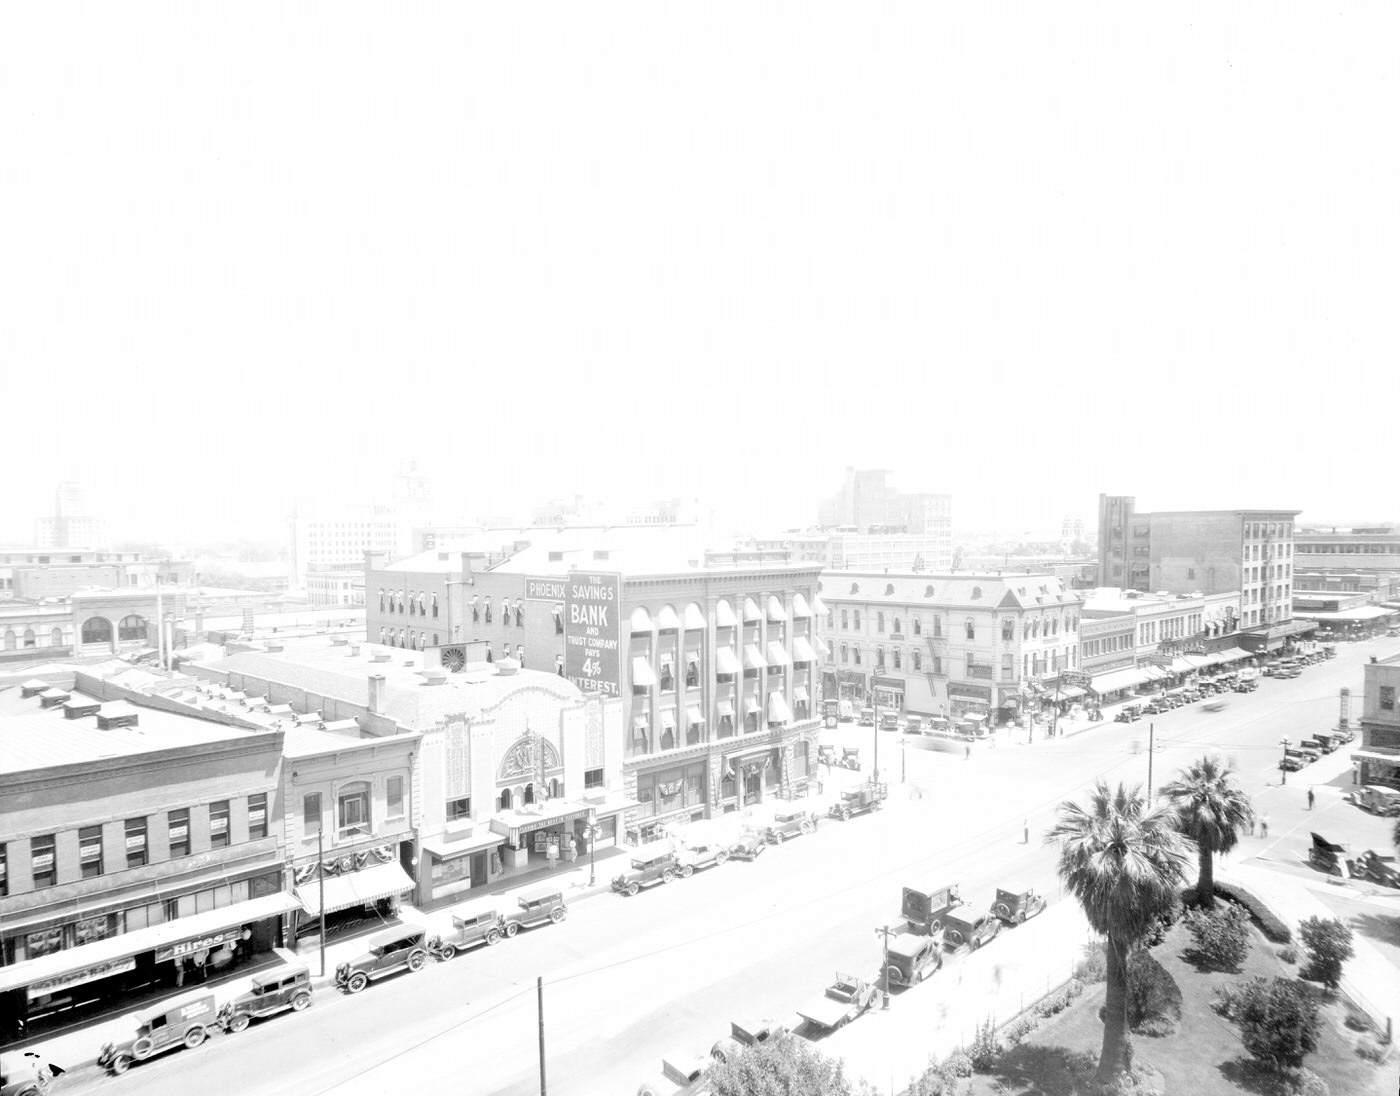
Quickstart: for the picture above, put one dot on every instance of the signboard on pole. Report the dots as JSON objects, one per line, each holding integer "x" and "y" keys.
{"x": 1074, "y": 677}
{"x": 593, "y": 632}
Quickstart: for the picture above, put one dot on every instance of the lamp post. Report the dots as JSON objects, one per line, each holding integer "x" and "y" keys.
{"x": 885, "y": 930}
{"x": 592, "y": 843}
{"x": 1283, "y": 765}
{"x": 321, "y": 882}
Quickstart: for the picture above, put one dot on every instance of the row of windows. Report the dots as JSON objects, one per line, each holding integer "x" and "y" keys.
{"x": 354, "y": 808}
{"x": 1094, "y": 647}
{"x": 394, "y": 601}
{"x": 1384, "y": 549}
{"x": 12, "y": 640}
{"x": 1158, "y": 631}
{"x": 1031, "y": 627}
{"x": 1268, "y": 528}
{"x": 97, "y": 857}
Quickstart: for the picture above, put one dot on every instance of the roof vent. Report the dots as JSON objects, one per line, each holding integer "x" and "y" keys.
{"x": 273, "y": 648}
{"x": 125, "y": 719}
{"x": 380, "y": 656}
{"x": 338, "y": 641}
{"x": 51, "y": 698}
{"x": 76, "y": 709}
{"x": 506, "y": 666}
{"x": 33, "y": 687}
{"x": 434, "y": 677}
{"x": 354, "y": 650}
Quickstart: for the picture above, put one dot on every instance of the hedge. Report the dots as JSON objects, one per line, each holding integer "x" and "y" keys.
{"x": 1268, "y": 922}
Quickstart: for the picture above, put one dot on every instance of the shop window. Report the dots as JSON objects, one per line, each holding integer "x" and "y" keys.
{"x": 592, "y": 778}
{"x": 353, "y": 809}
{"x": 218, "y": 824}
{"x": 41, "y": 861}
{"x": 90, "y": 851}
{"x": 136, "y": 843}
{"x": 459, "y": 810}
{"x": 178, "y": 832}
{"x": 257, "y": 816}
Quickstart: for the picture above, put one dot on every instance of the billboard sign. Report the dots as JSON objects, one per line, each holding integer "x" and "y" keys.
{"x": 593, "y": 632}
{"x": 547, "y": 588}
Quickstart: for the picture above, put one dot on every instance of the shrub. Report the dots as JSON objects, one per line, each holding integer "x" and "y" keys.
{"x": 1226, "y": 1000}
{"x": 1288, "y": 953}
{"x": 1073, "y": 989}
{"x": 1016, "y": 1031}
{"x": 1154, "y": 998}
{"x": 1093, "y": 965}
{"x": 1373, "y": 1052}
{"x": 958, "y": 1064}
{"x": 1278, "y": 1020}
{"x": 1163, "y": 922}
{"x": 1304, "y": 1082}
{"x": 1053, "y": 1005}
{"x": 1328, "y": 943}
{"x": 1221, "y": 936}
{"x": 1268, "y": 923}
{"x": 986, "y": 1047}
{"x": 785, "y": 1064}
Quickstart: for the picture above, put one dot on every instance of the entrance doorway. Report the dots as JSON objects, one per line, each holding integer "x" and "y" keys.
{"x": 753, "y": 785}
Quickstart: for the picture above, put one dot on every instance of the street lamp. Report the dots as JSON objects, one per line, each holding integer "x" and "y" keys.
{"x": 1283, "y": 765}
{"x": 885, "y": 930}
{"x": 592, "y": 842}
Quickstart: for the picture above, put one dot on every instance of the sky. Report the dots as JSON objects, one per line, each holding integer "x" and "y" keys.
{"x": 1020, "y": 254}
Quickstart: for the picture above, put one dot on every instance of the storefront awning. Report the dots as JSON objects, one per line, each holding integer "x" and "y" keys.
{"x": 800, "y": 608}
{"x": 86, "y": 962}
{"x": 514, "y": 824}
{"x": 356, "y": 889}
{"x": 726, "y": 662}
{"x": 445, "y": 848}
{"x": 642, "y": 674}
{"x": 667, "y": 620}
{"x": 1117, "y": 679}
{"x": 1233, "y": 654}
{"x": 775, "y": 608}
{"x": 1352, "y": 616}
{"x": 724, "y": 615}
{"x": 1153, "y": 673}
{"x": 751, "y": 613}
{"x": 1371, "y": 755}
{"x": 753, "y": 660}
{"x": 1069, "y": 692}
{"x": 778, "y": 710}
{"x": 776, "y": 655}
{"x": 694, "y": 618}
{"x": 802, "y": 650}
{"x": 1181, "y": 666}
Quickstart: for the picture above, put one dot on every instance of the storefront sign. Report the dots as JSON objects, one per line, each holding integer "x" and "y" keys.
{"x": 543, "y": 823}
{"x": 189, "y": 947}
{"x": 894, "y": 683}
{"x": 544, "y": 589}
{"x": 592, "y": 632}
{"x": 78, "y": 977}
{"x": 971, "y": 692}
{"x": 1074, "y": 677}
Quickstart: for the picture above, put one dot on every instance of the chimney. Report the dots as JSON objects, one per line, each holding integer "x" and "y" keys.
{"x": 376, "y": 694}
{"x": 354, "y": 650}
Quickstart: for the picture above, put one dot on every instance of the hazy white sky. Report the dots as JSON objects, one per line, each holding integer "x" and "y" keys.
{"x": 1019, "y": 253}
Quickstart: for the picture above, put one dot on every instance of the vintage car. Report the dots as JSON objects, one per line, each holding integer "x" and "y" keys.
{"x": 1292, "y": 762}
{"x": 1320, "y": 742}
{"x": 914, "y": 724}
{"x": 826, "y": 755}
{"x": 1346, "y": 734}
{"x": 181, "y": 1022}
{"x": 745, "y": 1033}
{"x": 1129, "y": 713}
{"x": 750, "y": 846}
{"x": 1016, "y": 903}
{"x": 911, "y": 957}
{"x": 1213, "y": 706}
{"x": 788, "y": 823}
{"x": 867, "y": 718}
{"x": 26, "y": 1073}
{"x": 402, "y": 948}
{"x": 1312, "y": 753}
{"x": 1246, "y": 684}
{"x": 923, "y": 908}
{"x": 889, "y": 721}
{"x": 968, "y": 927}
{"x": 1156, "y": 706}
{"x": 273, "y": 990}
{"x": 1378, "y": 799}
{"x": 1328, "y": 856}
{"x": 535, "y": 908}
{"x": 850, "y": 758}
{"x": 845, "y": 999}
{"x": 646, "y": 871}
{"x": 482, "y": 927}
{"x": 1377, "y": 867}
{"x": 681, "y": 1075}
{"x": 706, "y": 854}
{"x": 859, "y": 800}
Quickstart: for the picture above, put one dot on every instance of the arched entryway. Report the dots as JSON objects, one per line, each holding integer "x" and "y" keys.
{"x": 56, "y": 637}
{"x": 132, "y": 627}
{"x": 97, "y": 630}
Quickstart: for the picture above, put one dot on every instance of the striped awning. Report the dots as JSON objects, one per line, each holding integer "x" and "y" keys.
{"x": 356, "y": 889}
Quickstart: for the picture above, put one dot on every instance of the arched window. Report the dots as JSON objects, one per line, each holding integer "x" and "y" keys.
{"x": 29, "y": 637}
{"x": 381, "y": 600}
{"x": 845, "y": 653}
{"x": 412, "y": 638}
{"x": 488, "y": 610}
{"x": 56, "y": 638}
{"x": 976, "y": 592}
{"x": 412, "y": 604}
{"x": 132, "y": 627}
{"x": 421, "y": 602}
{"x": 401, "y": 637}
{"x": 529, "y": 796}
{"x": 879, "y": 658}
{"x": 917, "y": 658}
{"x": 556, "y": 789}
{"x": 918, "y": 628}
{"x": 96, "y": 630}
{"x": 504, "y": 799}
{"x": 11, "y": 639}
{"x": 855, "y": 655}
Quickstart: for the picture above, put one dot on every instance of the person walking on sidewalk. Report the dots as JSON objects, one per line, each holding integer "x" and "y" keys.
{"x": 552, "y": 854}
{"x": 1263, "y": 825}
{"x": 1310, "y": 799}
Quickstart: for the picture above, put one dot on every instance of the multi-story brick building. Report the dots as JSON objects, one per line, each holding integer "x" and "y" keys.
{"x": 131, "y": 839}
{"x": 1378, "y": 760}
{"x": 948, "y": 645}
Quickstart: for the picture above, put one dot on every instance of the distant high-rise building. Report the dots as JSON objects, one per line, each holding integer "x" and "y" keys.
{"x": 867, "y": 502}
{"x": 72, "y": 524}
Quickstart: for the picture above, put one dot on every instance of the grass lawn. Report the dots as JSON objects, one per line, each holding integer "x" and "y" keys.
{"x": 1204, "y": 1057}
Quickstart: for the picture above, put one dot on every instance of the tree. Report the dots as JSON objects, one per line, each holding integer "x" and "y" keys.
{"x": 1123, "y": 860}
{"x": 1213, "y": 811}
{"x": 783, "y": 1066}
{"x": 1395, "y": 835}
{"x": 1328, "y": 943}
{"x": 1278, "y": 1021}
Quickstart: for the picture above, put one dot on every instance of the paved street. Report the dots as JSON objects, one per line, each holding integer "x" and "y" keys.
{"x": 628, "y": 980}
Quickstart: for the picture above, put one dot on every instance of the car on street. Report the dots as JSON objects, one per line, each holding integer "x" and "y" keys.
{"x": 867, "y": 718}
{"x": 967, "y": 927}
{"x": 789, "y": 823}
{"x": 859, "y": 800}
{"x": 1378, "y": 799}
{"x": 1291, "y": 763}
{"x": 25, "y": 1073}
{"x": 272, "y": 991}
{"x": 746, "y": 1033}
{"x": 844, "y": 1000}
{"x": 924, "y": 907}
{"x": 646, "y": 871}
{"x": 535, "y": 908}
{"x": 911, "y": 957}
{"x": 1016, "y": 903}
{"x": 468, "y": 930}
{"x": 681, "y": 1075}
{"x": 402, "y": 948}
{"x": 750, "y": 846}
{"x": 692, "y": 858}
{"x": 182, "y": 1022}
{"x": 1246, "y": 685}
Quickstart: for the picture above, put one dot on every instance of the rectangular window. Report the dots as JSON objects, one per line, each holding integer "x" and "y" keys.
{"x": 136, "y": 843}
{"x": 353, "y": 803}
{"x": 178, "y": 823}
{"x": 90, "y": 851}
{"x": 311, "y": 814}
{"x": 459, "y": 810}
{"x": 1387, "y": 698}
{"x": 879, "y": 622}
{"x": 971, "y": 629}
{"x": 856, "y": 613}
{"x": 845, "y": 622}
{"x": 257, "y": 816}
{"x": 394, "y": 797}
{"x": 218, "y": 824}
{"x": 592, "y": 778}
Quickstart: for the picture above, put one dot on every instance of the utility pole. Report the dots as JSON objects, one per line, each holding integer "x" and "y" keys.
{"x": 539, "y": 993}
{"x": 1283, "y": 766}
{"x": 321, "y": 882}
{"x": 885, "y": 930}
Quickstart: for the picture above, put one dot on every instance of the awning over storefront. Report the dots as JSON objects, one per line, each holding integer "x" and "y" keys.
{"x": 1117, "y": 679}
{"x": 751, "y": 613}
{"x": 802, "y": 650}
{"x": 515, "y": 824}
{"x": 666, "y": 619}
{"x": 1154, "y": 673}
{"x": 445, "y": 848}
{"x": 1197, "y": 662}
{"x": 1233, "y": 654}
{"x": 642, "y": 675}
{"x": 1069, "y": 692}
{"x": 694, "y": 618}
{"x": 724, "y": 615}
{"x": 753, "y": 659}
{"x": 778, "y": 710}
{"x": 1371, "y": 755}
{"x": 776, "y": 655}
{"x": 1358, "y": 615}
{"x": 726, "y": 662}
{"x": 800, "y": 608}
{"x": 359, "y": 888}
{"x": 88, "y": 962}
{"x": 1181, "y": 666}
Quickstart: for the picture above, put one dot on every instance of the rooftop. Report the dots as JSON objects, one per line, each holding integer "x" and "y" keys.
{"x": 962, "y": 589}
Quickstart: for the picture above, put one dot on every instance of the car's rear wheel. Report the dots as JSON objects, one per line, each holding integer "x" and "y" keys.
{"x": 779, "y": 837}
{"x": 632, "y": 890}
{"x": 302, "y": 1000}
{"x": 845, "y": 814}
{"x": 493, "y": 937}
{"x": 512, "y": 928}
{"x": 121, "y": 1063}
{"x": 194, "y": 1037}
{"x": 892, "y": 976}
{"x": 668, "y": 876}
{"x": 1002, "y": 910}
{"x": 687, "y": 871}
{"x": 721, "y": 857}
{"x": 417, "y": 961}
{"x": 955, "y": 937}
{"x": 357, "y": 981}
{"x": 238, "y": 1022}
{"x": 807, "y": 827}
{"x": 557, "y": 914}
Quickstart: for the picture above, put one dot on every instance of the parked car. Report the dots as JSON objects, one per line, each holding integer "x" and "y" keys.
{"x": 1291, "y": 763}
{"x": 273, "y": 991}
{"x": 536, "y": 907}
{"x": 1320, "y": 742}
{"x": 789, "y": 823}
{"x": 969, "y": 927}
{"x": 25, "y": 1074}
{"x": 859, "y": 800}
{"x": 750, "y": 846}
{"x": 181, "y": 1022}
{"x": 1378, "y": 800}
{"x": 923, "y": 908}
{"x": 482, "y": 927}
{"x": 1346, "y": 734}
{"x": 1328, "y": 856}
{"x": 911, "y": 957}
{"x": 746, "y": 1033}
{"x": 1016, "y": 903}
{"x": 867, "y": 718}
{"x": 826, "y": 755}
{"x": 681, "y": 1075}
{"x": 850, "y": 758}
{"x": 914, "y": 724}
{"x": 1312, "y": 753}
{"x": 1246, "y": 684}
{"x": 401, "y": 948}
{"x": 646, "y": 871}
{"x": 1129, "y": 713}
{"x": 700, "y": 855}
{"x": 844, "y": 1000}
{"x": 1378, "y": 867}
{"x": 1156, "y": 707}
{"x": 889, "y": 721}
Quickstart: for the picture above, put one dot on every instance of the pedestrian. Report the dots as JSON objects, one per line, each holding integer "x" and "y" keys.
{"x": 1263, "y": 825}
{"x": 552, "y": 853}
{"x": 1026, "y": 832}
{"x": 967, "y": 753}
{"x": 1310, "y": 799}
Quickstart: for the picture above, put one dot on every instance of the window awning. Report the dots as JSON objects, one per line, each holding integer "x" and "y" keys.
{"x": 778, "y": 710}
{"x": 751, "y": 613}
{"x": 1069, "y": 692}
{"x": 1117, "y": 679}
{"x": 802, "y": 650}
{"x": 726, "y": 662}
{"x": 775, "y": 608}
{"x": 667, "y": 620}
{"x": 69, "y": 966}
{"x": 356, "y": 889}
{"x": 799, "y": 692}
{"x": 819, "y": 605}
{"x": 724, "y": 615}
{"x": 800, "y": 608}
{"x": 1370, "y": 755}
{"x": 751, "y": 704}
{"x": 776, "y": 655}
{"x": 725, "y": 706}
{"x": 1234, "y": 654}
{"x": 694, "y": 716}
{"x": 641, "y": 620}
{"x": 1154, "y": 673}
{"x": 694, "y": 618}
{"x": 640, "y": 725}
{"x": 1196, "y": 661}
{"x": 642, "y": 674}
{"x": 753, "y": 660}
{"x": 668, "y": 719}
{"x": 1180, "y": 666}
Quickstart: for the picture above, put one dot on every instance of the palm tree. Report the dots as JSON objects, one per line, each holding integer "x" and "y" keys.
{"x": 1122, "y": 860}
{"x": 1212, "y": 810}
